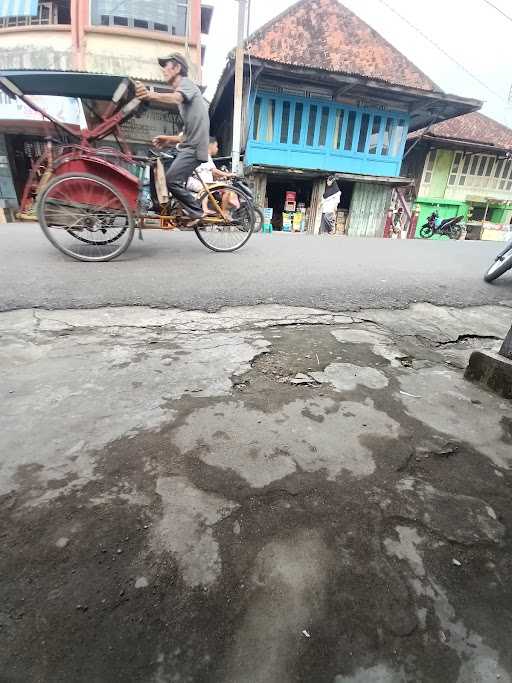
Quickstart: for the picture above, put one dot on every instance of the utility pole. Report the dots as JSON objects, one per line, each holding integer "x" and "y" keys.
{"x": 239, "y": 81}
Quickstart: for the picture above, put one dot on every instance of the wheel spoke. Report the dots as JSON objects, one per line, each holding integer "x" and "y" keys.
{"x": 228, "y": 235}
{"x": 85, "y": 217}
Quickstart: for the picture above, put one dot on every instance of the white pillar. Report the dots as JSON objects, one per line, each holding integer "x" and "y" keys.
{"x": 239, "y": 81}
{"x": 315, "y": 207}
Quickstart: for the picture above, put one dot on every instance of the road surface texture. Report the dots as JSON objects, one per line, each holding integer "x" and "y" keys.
{"x": 264, "y": 494}
{"x": 175, "y": 269}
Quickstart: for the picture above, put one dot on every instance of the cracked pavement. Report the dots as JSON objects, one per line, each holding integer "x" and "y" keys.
{"x": 262, "y": 494}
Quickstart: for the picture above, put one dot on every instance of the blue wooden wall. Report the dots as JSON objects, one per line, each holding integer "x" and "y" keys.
{"x": 318, "y": 134}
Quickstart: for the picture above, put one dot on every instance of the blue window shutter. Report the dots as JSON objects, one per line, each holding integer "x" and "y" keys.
{"x": 18, "y": 8}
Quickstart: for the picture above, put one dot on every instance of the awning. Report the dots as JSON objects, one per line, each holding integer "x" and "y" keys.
{"x": 487, "y": 200}
{"x": 18, "y": 8}
{"x": 312, "y": 174}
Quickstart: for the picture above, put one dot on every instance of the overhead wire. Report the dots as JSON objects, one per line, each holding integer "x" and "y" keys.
{"x": 443, "y": 51}
{"x": 498, "y": 9}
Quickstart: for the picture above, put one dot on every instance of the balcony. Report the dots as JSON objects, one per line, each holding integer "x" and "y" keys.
{"x": 320, "y": 134}
{"x": 36, "y": 35}
{"x": 164, "y": 16}
{"x": 42, "y": 13}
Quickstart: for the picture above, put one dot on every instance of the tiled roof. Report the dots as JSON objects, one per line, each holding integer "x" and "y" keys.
{"x": 324, "y": 34}
{"x": 475, "y": 128}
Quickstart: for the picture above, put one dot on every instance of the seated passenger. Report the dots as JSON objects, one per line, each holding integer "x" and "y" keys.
{"x": 209, "y": 173}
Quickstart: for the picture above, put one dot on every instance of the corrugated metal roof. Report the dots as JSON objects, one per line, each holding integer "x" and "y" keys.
{"x": 354, "y": 74}
{"x": 324, "y": 34}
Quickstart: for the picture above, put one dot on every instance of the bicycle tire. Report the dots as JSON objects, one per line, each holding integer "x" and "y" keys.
{"x": 506, "y": 264}
{"x": 201, "y": 232}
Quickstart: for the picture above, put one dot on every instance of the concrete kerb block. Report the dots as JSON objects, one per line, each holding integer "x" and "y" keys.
{"x": 492, "y": 371}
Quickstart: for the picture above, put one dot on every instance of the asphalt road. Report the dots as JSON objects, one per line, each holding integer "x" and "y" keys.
{"x": 175, "y": 270}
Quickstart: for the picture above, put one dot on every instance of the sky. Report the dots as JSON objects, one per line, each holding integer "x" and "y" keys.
{"x": 471, "y": 31}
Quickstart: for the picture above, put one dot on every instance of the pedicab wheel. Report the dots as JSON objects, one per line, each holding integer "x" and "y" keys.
{"x": 85, "y": 217}
{"x": 231, "y": 234}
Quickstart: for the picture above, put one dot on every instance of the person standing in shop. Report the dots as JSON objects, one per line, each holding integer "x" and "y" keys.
{"x": 397, "y": 222}
{"x": 330, "y": 201}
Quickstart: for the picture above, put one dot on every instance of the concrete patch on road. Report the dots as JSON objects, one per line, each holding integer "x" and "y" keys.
{"x": 456, "y": 517}
{"x": 443, "y": 323}
{"x": 443, "y": 400}
{"x": 347, "y": 376}
{"x": 380, "y": 673}
{"x": 406, "y": 548}
{"x": 479, "y": 663}
{"x": 312, "y": 436}
{"x": 288, "y": 593}
{"x": 380, "y": 340}
{"x": 137, "y": 317}
{"x": 185, "y": 528}
{"x": 82, "y": 392}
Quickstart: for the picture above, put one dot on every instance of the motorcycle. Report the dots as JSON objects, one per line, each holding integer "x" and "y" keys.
{"x": 501, "y": 264}
{"x": 449, "y": 227}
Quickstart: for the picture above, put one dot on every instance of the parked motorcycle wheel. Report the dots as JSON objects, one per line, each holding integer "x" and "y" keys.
{"x": 426, "y": 232}
{"x": 500, "y": 266}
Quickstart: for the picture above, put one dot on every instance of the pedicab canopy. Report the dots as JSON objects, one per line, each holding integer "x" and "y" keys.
{"x": 61, "y": 83}
{"x": 118, "y": 91}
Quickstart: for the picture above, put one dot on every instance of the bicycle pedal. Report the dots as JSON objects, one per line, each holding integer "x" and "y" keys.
{"x": 167, "y": 223}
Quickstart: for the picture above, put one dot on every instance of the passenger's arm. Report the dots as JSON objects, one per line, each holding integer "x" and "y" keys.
{"x": 221, "y": 175}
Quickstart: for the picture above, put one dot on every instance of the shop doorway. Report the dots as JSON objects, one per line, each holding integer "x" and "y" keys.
{"x": 361, "y": 212}
{"x": 278, "y": 189}
{"x": 22, "y": 152}
{"x": 343, "y": 212}
{"x": 347, "y": 189}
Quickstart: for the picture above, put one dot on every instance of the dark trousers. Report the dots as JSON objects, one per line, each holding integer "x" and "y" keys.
{"x": 328, "y": 223}
{"x": 180, "y": 171}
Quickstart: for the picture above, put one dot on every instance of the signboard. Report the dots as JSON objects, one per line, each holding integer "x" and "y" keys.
{"x": 151, "y": 123}
{"x": 139, "y": 129}
{"x": 65, "y": 109}
{"x": 290, "y": 201}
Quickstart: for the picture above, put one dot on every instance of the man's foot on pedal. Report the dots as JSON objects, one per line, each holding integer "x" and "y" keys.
{"x": 191, "y": 223}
